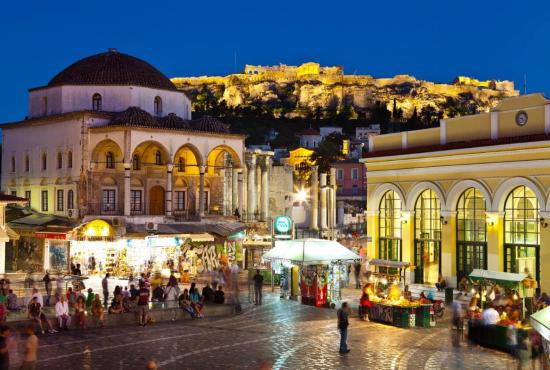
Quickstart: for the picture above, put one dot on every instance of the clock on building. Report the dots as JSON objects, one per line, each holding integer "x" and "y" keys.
{"x": 521, "y": 118}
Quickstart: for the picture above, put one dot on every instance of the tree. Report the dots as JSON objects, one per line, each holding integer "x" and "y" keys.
{"x": 329, "y": 151}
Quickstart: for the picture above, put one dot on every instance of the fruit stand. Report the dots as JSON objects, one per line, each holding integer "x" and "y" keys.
{"x": 388, "y": 279}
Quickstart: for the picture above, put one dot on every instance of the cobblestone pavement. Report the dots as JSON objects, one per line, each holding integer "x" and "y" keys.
{"x": 279, "y": 334}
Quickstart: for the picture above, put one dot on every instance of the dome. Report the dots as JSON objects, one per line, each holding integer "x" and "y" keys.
{"x": 112, "y": 68}
{"x": 210, "y": 124}
{"x": 134, "y": 116}
{"x": 174, "y": 121}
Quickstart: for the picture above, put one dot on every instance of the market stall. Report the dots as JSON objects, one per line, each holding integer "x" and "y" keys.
{"x": 321, "y": 265}
{"x": 505, "y": 292}
{"x": 390, "y": 302}
{"x": 540, "y": 321}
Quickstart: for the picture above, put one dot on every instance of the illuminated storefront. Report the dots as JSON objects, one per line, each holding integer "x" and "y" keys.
{"x": 473, "y": 193}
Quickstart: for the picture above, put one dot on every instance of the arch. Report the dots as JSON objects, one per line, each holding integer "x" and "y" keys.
{"x": 108, "y": 181}
{"x": 214, "y": 159}
{"x": 501, "y": 194}
{"x": 59, "y": 160}
{"x": 147, "y": 153}
{"x": 100, "y": 151}
{"x": 136, "y": 182}
{"x": 44, "y": 161}
{"x": 70, "y": 199}
{"x": 27, "y": 163}
{"x": 96, "y": 102}
{"x": 70, "y": 159}
{"x": 414, "y": 193}
{"x": 192, "y": 159}
{"x": 457, "y": 189}
{"x": 180, "y": 183}
{"x": 376, "y": 196}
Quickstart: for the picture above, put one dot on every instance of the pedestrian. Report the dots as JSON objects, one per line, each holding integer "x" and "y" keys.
{"x": 13, "y": 303}
{"x": 97, "y": 310}
{"x": 171, "y": 293}
{"x": 80, "y": 312}
{"x": 71, "y": 297}
{"x": 4, "y": 354}
{"x": 62, "y": 313}
{"x": 172, "y": 281}
{"x": 365, "y": 305}
{"x": 78, "y": 271}
{"x": 158, "y": 294}
{"x": 38, "y": 296}
{"x": 47, "y": 286}
{"x": 208, "y": 293}
{"x": 143, "y": 304}
{"x": 197, "y": 302}
{"x": 357, "y": 270}
{"x": 185, "y": 303}
{"x": 219, "y": 296}
{"x": 258, "y": 286}
{"x": 343, "y": 323}
{"x": 105, "y": 286}
{"x": 31, "y": 348}
{"x": 59, "y": 283}
{"x": 89, "y": 298}
{"x": 35, "y": 313}
{"x": 134, "y": 293}
{"x": 457, "y": 322}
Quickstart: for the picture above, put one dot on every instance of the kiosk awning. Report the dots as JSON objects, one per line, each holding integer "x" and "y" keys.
{"x": 509, "y": 277}
{"x": 388, "y": 263}
{"x": 310, "y": 251}
{"x": 541, "y": 322}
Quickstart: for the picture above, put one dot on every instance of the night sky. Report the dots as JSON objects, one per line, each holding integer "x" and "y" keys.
{"x": 431, "y": 40}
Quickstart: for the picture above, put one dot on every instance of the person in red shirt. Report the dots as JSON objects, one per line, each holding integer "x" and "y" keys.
{"x": 143, "y": 303}
{"x": 365, "y": 306}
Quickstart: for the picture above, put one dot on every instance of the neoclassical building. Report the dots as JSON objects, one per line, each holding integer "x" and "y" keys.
{"x": 110, "y": 135}
{"x": 472, "y": 193}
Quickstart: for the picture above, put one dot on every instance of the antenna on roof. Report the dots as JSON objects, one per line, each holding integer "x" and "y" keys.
{"x": 525, "y": 83}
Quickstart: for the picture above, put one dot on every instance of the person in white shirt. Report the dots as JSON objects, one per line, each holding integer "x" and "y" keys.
{"x": 62, "y": 313}
{"x": 490, "y": 316}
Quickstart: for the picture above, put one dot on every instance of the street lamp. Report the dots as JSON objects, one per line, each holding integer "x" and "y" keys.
{"x": 301, "y": 195}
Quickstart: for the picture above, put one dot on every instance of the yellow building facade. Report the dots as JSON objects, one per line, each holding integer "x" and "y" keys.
{"x": 472, "y": 193}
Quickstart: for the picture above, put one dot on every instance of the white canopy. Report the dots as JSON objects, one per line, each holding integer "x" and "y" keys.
{"x": 497, "y": 275}
{"x": 541, "y": 322}
{"x": 310, "y": 251}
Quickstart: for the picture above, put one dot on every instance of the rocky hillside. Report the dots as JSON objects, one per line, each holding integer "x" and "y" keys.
{"x": 285, "y": 92}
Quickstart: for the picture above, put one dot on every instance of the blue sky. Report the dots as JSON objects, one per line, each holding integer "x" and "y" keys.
{"x": 433, "y": 40}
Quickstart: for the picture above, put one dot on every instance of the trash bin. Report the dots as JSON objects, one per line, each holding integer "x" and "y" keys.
{"x": 448, "y": 295}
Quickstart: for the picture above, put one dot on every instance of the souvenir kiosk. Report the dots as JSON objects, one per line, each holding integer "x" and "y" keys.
{"x": 319, "y": 262}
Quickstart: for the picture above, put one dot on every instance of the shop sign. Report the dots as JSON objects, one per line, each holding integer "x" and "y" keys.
{"x": 56, "y": 236}
{"x": 282, "y": 224}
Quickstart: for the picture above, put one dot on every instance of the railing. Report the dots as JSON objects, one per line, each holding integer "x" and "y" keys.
{"x": 99, "y": 209}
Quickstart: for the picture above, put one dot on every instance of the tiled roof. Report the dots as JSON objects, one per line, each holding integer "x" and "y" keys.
{"x": 210, "y": 124}
{"x": 459, "y": 145}
{"x": 134, "y": 116}
{"x": 112, "y": 68}
{"x": 174, "y": 121}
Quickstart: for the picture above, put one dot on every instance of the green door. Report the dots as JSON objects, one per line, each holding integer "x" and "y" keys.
{"x": 521, "y": 257}
{"x": 389, "y": 249}
{"x": 469, "y": 256}
{"x": 427, "y": 261}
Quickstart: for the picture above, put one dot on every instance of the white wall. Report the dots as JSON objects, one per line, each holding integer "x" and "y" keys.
{"x": 63, "y": 99}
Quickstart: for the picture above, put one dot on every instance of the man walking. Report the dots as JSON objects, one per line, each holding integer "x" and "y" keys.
{"x": 343, "y": 323}
{"x": 258, "y": 286}
{"x": 48, "y": 286}
{"x": 105, "y": 286}
{"x": 357, "y": 271}
{"x": 143, "y": 304}
{"x": 31, "y": 347}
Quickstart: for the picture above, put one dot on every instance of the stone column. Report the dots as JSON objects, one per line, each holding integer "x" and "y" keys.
{"x": 240, "y": 190}
{"x": 332, "y": 200}
{"x": 127, "y": 183}
{"x": 314, "y": 194}
{"x": 201, "y": 191}
{"x": 265, "y": 187}
{"x": 251, "y": 187}
{"x": 224, "y": 192}
{"x": 169, "y": 170}
{"x": 341, "y": 213}
{"x": 235, "y": 191}
{"x": 323, "y": 183}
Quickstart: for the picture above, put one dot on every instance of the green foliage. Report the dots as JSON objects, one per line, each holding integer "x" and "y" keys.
{"x": 329, "y": 151}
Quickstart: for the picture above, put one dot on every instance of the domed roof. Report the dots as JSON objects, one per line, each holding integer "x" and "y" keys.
{"x": 210, "y": 124}
{"x": 134, "y": 116}
{"x": 174, "y": 121}
{"x": 112, "y": 68}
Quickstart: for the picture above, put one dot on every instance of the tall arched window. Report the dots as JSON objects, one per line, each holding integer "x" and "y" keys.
{"x": 135, "y": 162}
{"x": 389, "y": 247}
{"x": 96, "y": 102}
{"x": 522, "y": 232}
{"x": 27, "y": 164}
{"x": 157, "y": 105}
{"x": 70, "y": 199}
{"x": 427, "y": 237}
{"x": 158, "y": 158}
{"x": 12, "y": 163}
{"x": 181, "y": 165}
{"x": 59, "y": 160}
{"x": 109, "y": 160}
{"x": 471, "y": 233}
{"x": 70, "y": 159}
{"x": 44, "y": 162}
